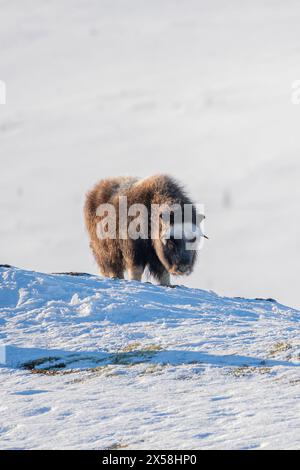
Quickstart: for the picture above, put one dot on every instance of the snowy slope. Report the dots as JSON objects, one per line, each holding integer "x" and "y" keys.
{"x": 96, "y": 363}
{"x": 198, "y": 89}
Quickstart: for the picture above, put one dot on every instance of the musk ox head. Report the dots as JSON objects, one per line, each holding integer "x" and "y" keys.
{"x": 177, "y": 247}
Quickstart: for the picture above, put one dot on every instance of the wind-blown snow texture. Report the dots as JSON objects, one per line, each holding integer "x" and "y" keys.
{"x": 97, "y": 363}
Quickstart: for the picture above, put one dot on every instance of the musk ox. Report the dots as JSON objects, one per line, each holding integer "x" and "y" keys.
{"x": 170, "y": 248}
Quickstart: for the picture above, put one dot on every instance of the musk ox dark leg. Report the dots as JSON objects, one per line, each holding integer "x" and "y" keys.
{"x": 158, "y": 271}
{"x": 164, "y": 279}
{"x": 135, "y": 273}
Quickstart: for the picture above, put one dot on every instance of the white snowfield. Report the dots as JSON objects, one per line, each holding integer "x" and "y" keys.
{"x": 93, "y": 363}
{"x": 198, "y": 89}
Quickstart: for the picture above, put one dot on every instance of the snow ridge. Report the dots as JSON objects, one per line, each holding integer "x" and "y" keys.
{"x": 188, "y": 368}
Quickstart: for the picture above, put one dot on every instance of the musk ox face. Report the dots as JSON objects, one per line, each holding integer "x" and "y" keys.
{"x": 177, "y": 248}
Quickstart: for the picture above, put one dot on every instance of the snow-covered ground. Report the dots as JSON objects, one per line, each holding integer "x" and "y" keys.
{"x": 199, "y": 89}
{"x": 101, "y": 364}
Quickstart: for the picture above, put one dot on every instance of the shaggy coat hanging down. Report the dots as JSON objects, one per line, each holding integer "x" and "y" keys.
{"x": 164, "y": 255}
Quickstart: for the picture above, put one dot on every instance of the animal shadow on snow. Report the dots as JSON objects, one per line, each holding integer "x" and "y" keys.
{"x": 55, "y": 360}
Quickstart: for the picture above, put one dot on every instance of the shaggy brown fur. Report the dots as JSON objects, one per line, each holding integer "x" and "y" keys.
{"x": 114, "y": 257}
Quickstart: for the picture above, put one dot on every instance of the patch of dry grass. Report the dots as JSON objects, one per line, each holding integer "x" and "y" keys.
{"x": 117, "y": 446}
{"x": 131, "y": 347}
{"x": 244, "y": 371}
{"x": 128, "y": 356}
{"x": 153, "y": 369}
{"x": 279, "y": 347}
{"x": 137, "y": 347}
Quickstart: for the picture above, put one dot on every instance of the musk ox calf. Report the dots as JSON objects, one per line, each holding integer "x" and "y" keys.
{"x": 137, "y": 223}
